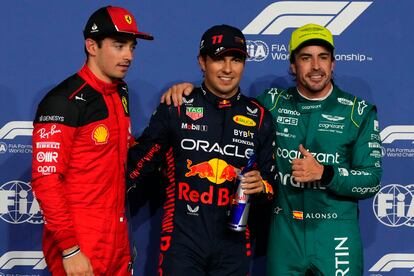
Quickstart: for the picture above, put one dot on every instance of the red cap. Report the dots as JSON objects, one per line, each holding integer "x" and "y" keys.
{"x": 110, "y": 20}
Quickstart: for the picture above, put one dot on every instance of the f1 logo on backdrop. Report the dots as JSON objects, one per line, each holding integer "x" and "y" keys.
{"x": 337, "y": 16}
{"x": 34, "y": 259}
{"x": 398, "y": 141}
{"x": 397, "y": 133}
{"x": 393, "y": 261}
{"x": 393, "y": 205}
{"x": 334, "y": 15}
{"x": 17, "y": 203}
{"x": 10, "y": 131}
{"x": 16, "y": 128}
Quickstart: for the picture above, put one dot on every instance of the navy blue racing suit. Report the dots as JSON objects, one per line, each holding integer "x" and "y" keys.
{"x": 203, "y": 141}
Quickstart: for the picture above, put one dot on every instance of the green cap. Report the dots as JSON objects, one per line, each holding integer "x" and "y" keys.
{"x": 310, "y": 32}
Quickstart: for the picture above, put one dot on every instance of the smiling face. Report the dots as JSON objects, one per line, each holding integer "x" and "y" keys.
{"x": 313, "y": 67}
{"x": 222, "y": 74}
{"x": 110, "y": 59}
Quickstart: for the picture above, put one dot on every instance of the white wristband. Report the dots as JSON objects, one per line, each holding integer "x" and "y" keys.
{"x": 71, "y": 254}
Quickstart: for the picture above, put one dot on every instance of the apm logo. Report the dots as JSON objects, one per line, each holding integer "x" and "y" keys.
{"x": 34, "y": 259}
{"x": 16, "y": 128}
{"x": 393, "y": 205}
{"x": 17, "y": 203}
{"x": 394, "y": 261}
{"x": 334, "y": 15}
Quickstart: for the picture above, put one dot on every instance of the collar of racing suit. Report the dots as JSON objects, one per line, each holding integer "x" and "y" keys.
{"x": 99, "y": 85}
{"x": 220, "y": 102}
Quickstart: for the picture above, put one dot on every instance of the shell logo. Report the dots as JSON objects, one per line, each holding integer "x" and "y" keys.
{"x": 100, "y": 135}
{"x": 244, "y": 121}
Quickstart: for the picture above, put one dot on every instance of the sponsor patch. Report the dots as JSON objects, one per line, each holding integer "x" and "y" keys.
{"x": 252, "y": 112}
{"x": 244, "y": 121}
{"x": 332, "y": 117}
{"x": 194, "y": 127}
{"x": 361, "y": 106}
{"x": 297, "y": 215}
{"x": 345, "y": 101}
{"x": 47, "y": 145}
{"x": 189, "y": 101}
{"x": 376, "y": 125}
{"x": 51, "y": 118}
{"x": 194, "y": 113}
{"x": 125, "y": 104}
{"x": 100, "y": 134}
{"x": 287, "y": 120}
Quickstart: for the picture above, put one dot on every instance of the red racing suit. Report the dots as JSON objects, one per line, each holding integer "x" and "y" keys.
{"x": 205, "y": 139}
{"x": 80, "y": 141}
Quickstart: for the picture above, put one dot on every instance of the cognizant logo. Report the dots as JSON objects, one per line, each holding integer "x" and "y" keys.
{"x": 321, "y": 157}
{"x": 334, "y": 15}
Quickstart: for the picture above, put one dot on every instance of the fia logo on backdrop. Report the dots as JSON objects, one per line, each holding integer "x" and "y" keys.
{"x": 18, "y": 204}
{"x": 393, "y": 205}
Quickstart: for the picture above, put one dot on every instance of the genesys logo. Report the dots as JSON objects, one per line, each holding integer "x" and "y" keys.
{"x": 17, "y": 203}
{"x": 11, "y": 131}
{"x": 12, "y": 259}
{"x": 402, "y": 262}
{"x": 398, "y": 141}
{"x": 393, "y": 205}
{"x": 279, "y": 16}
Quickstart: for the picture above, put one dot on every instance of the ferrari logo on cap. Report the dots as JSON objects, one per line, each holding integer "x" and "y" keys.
{"x": 128, "y": 19}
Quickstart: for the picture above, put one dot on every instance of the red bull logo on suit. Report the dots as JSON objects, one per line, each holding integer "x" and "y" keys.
{"x": 216, "y": 171}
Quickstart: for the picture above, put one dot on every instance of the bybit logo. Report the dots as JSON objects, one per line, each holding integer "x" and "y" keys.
{"x": 334, "y": 15}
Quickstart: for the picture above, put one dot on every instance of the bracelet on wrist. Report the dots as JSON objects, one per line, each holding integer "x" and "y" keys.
{"x": 71, "y": 253}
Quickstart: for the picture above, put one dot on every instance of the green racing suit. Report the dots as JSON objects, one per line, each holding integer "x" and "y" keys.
{"x": 314, "y": 226}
